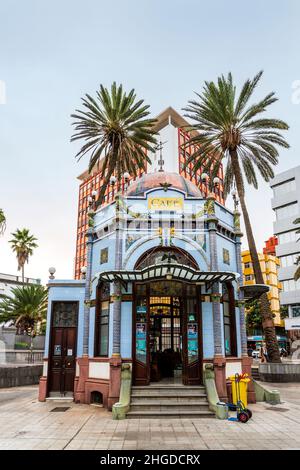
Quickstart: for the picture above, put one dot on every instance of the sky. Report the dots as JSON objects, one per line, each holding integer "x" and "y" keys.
{"x": 53, "y": 52}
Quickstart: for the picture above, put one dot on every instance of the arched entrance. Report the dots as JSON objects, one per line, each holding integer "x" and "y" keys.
{"x": 167, "y": 336}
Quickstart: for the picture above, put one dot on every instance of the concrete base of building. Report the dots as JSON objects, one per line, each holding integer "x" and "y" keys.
{"x": 284, "y": 372}
{"x": 16, "y": 375}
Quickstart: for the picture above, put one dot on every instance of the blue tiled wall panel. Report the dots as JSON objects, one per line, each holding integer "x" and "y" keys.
{"x": 65, "y": 293}
{"x": 208, "y": 332}
{"x": 230, "y": 246}
{"x": 238, "y": 331}
{"x": 92, "y": 331}
{"x": 126, "y": 330}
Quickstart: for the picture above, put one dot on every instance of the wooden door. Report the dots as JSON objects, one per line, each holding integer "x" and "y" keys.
{"x": 191, "y": 337}
{"x": 62, "y": 354}
{"x": 140, "y": 335}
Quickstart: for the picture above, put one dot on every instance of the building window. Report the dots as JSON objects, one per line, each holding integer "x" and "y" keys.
{"x": 104, "y": 256}
{"x": 288, "y": 237}
{"x": 102, "y": 321}
{"x": 288, "y": 260}
{"x": 284, "y": 188}
{"x": 226, "y": 256}
{"x": 290, "y": 285}
{"x": 248, "y": 277}
{"x": 248, "y": 265}
{"x": 229, "y": 320}
{"x": 295, "y": 311}
{"x": 287, "y": 211}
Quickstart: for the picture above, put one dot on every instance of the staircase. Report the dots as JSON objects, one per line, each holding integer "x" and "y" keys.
{"x": 169, "y": 401}
{"x": 255, "y": 373}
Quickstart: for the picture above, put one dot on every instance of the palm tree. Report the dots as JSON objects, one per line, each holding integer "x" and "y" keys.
{"x": 229, "y": 128}
{"x": 297, "y": 272}
{"x": 2, "y": 222}
{"x": 26, "y": 308}
{"x": 117, "y": 134}
{"x": 23, "y": 244}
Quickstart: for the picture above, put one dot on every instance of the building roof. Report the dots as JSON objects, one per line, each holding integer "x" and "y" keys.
{"x": 158, "y": 180}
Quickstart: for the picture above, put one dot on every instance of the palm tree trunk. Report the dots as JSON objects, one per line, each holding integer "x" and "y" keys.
{"x": 23, "y": 277}
{"x": 265, "y": 308}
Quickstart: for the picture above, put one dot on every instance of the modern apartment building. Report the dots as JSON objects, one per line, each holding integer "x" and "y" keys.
{"x": 269, "y": 265}
{"x": 9, "y": 281}
{"x": 169, "y": 157}
{"x": 286, "y": 204}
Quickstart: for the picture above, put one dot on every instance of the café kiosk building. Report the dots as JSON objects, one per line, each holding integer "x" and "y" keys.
{"x": 161, "y": 291}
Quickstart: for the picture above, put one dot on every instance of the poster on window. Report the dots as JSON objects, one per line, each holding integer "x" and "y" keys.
{"x": 192, "y": 349}
{"x": 192, "y": 331}
{"x": 141, "y": 309}
{"x": 141, "y": 331}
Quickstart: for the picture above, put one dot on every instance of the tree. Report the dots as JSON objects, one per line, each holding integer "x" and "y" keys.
{"x": 23, "y": 244}
{"x": 26, "y": 308}
{"x": 2, "y": 222}
{"x": 253, "y": 316}
{"x": 117, "y": 136}
{"x": 297, "y": 272}
{"x": 116, "y": 131}
{"x": 229, "y": 128}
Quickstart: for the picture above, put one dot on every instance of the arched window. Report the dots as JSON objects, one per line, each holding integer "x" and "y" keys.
{"x": 229, "y": 320}
{"x": 102, "y": 320}
{"x": 165, "y": 255}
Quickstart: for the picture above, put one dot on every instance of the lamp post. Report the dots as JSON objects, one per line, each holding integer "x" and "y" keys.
{"x": 52, "y": 271}
{"x": 118, "y": 265}
{"x": 83, "y": 272}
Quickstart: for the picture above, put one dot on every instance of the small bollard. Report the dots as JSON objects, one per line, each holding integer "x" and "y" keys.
{"x": 222, "y": 410}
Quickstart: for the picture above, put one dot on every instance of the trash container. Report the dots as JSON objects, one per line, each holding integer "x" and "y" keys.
{"x": 239, "y": 386}
{"x": 222, "y": 410}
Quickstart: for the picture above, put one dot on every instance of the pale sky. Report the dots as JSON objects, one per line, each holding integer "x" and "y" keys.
{"x": 52, "y": 52}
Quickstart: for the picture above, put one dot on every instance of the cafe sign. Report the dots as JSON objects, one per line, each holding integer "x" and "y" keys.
{"x": 165, "y": 203}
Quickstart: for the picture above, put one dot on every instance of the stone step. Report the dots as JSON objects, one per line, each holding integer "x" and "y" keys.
{"x": 197, "y": 397}
{"x": 59, "y": 399}
{"x": 161, "y": 406}
{"x": 175, "y": 414}
{"x": 159, "y": 390}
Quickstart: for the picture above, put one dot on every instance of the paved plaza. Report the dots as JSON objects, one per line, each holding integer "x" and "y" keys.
{"x": 26, "y": 423}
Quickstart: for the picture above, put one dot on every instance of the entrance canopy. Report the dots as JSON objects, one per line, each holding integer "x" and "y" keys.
{"x": 168, "y": 271}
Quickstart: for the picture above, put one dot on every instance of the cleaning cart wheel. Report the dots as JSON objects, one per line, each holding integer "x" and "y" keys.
{"x": 249, "y": 412}
{"x": 243, "y": 417}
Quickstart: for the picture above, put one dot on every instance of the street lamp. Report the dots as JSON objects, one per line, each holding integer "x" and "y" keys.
{"x": 52, "y": 272}
{"x": 83, "y": 272}
{"x": 211, "y": 183}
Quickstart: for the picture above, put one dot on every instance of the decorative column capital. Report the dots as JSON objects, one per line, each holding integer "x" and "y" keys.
{"x": 216, "y": 297}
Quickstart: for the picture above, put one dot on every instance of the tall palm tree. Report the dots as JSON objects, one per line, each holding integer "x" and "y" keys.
{"x": 117, "y": 134}
{"x": 230, "y": 128}
{"x": 23, "y": 244}
{"x": 26, "y": 307}
{"x": 2, "y": 222}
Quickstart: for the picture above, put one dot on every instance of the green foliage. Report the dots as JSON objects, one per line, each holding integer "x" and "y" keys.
{"x": 2, "y": 222}
{"x": 284, "y": 312}
{"x": 26, "y": 307}
{"x": 115, "y": 128}
{"x": 21, "y": 345}
{"x": 23, "y": 244}
{"x": 225, "y": 123}
{"x": 253, "y": 315}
